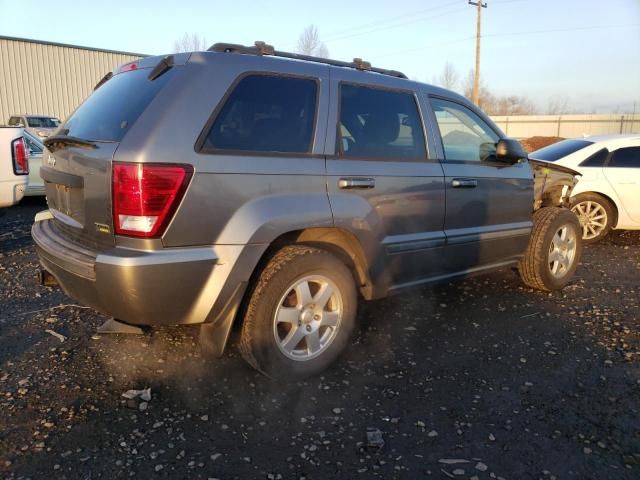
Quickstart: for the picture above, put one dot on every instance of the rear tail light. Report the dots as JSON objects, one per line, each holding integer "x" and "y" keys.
{"x": 145, "y": 196}
{"x": 20, "y": 157}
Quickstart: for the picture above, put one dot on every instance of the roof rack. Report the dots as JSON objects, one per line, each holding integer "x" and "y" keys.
{"x": 261, "y": 48}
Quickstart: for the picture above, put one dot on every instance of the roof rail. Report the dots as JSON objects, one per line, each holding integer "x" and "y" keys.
{"x": 261, "y": 48}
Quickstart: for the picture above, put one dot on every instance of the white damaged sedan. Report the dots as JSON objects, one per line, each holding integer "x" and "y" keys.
{"x": 608, "y": 193}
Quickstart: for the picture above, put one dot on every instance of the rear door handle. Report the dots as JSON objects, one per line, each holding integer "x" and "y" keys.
{"x": 464, "y": 183}
{"x": 356, "y": 182}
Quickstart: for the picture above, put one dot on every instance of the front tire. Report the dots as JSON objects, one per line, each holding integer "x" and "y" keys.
{"x": 596, "y": 215}
{"x": 554, "y": 249}
{"x": 300, "y": 314}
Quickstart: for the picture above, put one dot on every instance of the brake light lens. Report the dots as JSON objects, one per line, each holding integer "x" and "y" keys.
{"x": 20, "y": 156}
{"x": 145, "y": 196}
{"x": 128, "y": 67}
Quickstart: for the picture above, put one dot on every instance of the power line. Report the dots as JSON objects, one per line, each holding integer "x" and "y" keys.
{"x": 376, "y": 23}
{"x": 554, "y": 30}
{"x": 389, "y": 27}
{"x": 459, "y": 40}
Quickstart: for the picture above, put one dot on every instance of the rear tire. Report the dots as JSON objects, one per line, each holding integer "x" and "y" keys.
{"x": 596, "y": 215}
{"x": 554, "y": 249}
{"x": 300, "y": 314}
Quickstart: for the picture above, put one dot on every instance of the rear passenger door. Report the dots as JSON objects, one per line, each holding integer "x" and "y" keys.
{"x": 489, "y": 203}
{"x": 382, "y": 185}
{"x": 623, "y": 173}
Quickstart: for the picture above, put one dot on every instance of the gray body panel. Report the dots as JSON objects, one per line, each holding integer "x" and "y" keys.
{"x": 411, "y": 228}
{"x": 399, "y": 222}
{"x": 491, "y": 222}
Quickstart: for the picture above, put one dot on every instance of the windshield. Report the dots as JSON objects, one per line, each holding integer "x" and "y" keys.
{"x": 560, "y": 150}
{"x": 43, "y": 122}
{"x": 35, "y": 146}
{"x": 114, "y": 107}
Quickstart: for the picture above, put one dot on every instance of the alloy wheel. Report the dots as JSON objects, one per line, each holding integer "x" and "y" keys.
{"x": 308, "y": 317}
{"x": 593, "y": 218}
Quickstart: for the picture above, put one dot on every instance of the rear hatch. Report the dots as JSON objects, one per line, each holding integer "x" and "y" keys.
{"x": 77, "y": 160}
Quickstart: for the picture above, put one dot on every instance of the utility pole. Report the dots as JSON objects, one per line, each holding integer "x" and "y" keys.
{"x": 475, "y": 97}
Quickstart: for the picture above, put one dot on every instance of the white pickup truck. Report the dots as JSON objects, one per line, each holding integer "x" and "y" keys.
{"x": 14, "y": 166}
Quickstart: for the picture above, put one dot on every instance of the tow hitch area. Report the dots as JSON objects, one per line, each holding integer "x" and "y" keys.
{"x": 46, "y": 279}
{"x": 116, "y": 326}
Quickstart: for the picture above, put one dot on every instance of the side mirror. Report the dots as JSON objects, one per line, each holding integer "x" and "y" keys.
{"x": 510, "y": 151}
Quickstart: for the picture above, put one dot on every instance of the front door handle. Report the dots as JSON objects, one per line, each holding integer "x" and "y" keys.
{"x": 356, "y": 183}
{"x": 464, "y": 183}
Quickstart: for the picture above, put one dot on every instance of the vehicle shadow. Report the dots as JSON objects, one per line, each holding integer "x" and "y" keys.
{"x": 15, "y": 224}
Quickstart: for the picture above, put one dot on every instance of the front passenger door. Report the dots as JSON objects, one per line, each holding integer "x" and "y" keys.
{"x": 488, "y": 203}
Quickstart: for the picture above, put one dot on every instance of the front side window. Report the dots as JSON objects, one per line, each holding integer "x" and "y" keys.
{"x": 14, "y": 121}
{"x": 266, "y": 113}
{"x": 626, "y": 158}
{"x": 465, "y": 136}
{"x": 379, "y": 123}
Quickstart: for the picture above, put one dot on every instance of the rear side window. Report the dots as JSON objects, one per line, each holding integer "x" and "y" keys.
{"x": 626, "y": 157}
{"x": 266, "y": 113}
{"x": 597, "y": 159}
{"x": 113, "y": 108}
{"x": 380, "y": 124}
{"x": 559, "y": 150}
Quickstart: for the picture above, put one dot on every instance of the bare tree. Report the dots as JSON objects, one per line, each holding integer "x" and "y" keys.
{"x": 486, "y": 100}
{"x": 190, "y": 43}
{"x": 494, "y": 105}
{"x": 309, "y": 43}
{"x": 558, "y": 105}
{"x": 449, "y": 77}
{"x": 513, "y": 105}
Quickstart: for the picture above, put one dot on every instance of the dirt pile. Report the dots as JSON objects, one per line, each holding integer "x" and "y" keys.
{"x": 534, "y": 143}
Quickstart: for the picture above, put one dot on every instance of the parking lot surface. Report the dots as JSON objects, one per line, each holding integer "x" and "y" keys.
{"x": 480, "y": 378}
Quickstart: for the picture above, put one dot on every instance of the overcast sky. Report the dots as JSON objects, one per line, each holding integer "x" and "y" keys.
{"x": 586, "y": 50}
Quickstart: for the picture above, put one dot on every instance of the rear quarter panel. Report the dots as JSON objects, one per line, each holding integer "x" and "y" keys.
{"x": 232, "y": 199}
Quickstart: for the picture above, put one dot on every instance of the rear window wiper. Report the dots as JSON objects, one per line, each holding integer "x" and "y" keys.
{"x": 59, "y": 141}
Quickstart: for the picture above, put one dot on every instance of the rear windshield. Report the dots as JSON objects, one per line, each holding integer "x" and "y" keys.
{"x": 559, "y": 150}
{"x": 43, "y": 122}
{"x": 114, "y": 107}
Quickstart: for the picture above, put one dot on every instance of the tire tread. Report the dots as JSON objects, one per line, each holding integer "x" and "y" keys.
{"x": 535, "y": 258}
{"x": 275, "y": 264}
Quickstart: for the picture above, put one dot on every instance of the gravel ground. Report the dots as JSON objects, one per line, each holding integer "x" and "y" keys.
{"x": 477, "y": 379}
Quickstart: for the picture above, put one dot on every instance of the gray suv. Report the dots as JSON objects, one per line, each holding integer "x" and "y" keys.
{"x": 273, "y": 190}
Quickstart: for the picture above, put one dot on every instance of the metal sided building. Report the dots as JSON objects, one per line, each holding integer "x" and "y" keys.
{"x": 48, "y": 78}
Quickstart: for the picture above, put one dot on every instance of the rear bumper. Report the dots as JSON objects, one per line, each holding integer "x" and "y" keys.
{"x": 12, "y": 191}
{"x": 165, "y": 287}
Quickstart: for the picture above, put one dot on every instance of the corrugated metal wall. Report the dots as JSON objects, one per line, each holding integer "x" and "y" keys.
{"x": 50, "y": 79}
{"x": 567, "y": 126}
